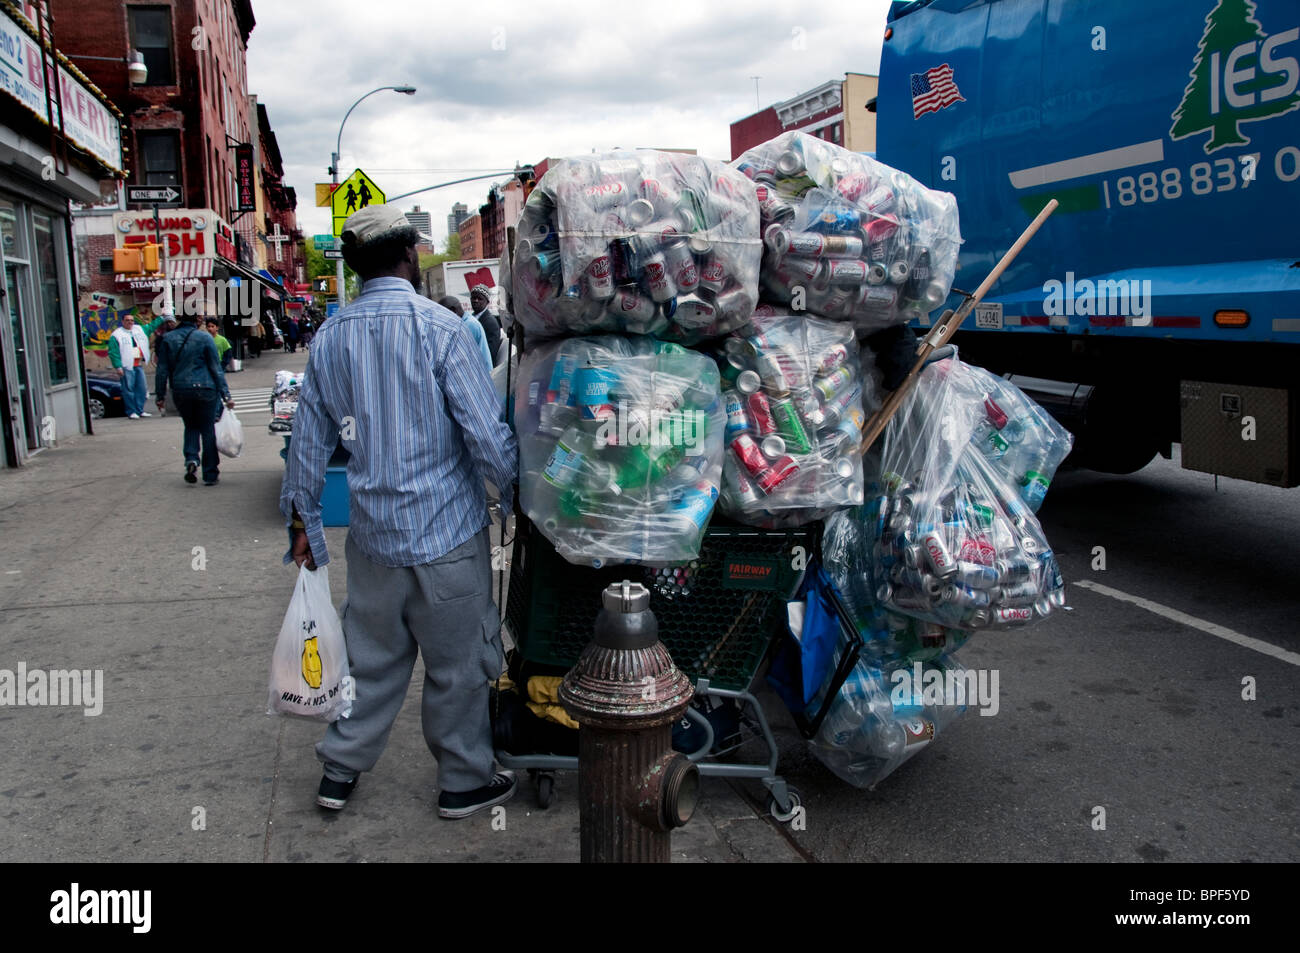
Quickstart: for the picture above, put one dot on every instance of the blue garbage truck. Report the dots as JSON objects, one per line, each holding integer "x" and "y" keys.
{"x": 1160, "y": 304}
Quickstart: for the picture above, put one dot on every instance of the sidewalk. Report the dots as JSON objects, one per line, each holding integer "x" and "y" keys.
{"x": 109, "y": 561}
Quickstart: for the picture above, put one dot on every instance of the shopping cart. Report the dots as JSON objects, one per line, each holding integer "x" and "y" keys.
{"x": 718, "y": 616}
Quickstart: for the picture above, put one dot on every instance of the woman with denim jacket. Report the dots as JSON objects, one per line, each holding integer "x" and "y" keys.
{"x": 187, "y": 360}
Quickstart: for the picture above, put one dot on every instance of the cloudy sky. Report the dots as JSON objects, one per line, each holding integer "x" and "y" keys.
{"x": 506, "y": 82}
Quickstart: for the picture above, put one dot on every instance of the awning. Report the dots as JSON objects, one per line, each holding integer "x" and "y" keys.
{"x": 185, "y": 272}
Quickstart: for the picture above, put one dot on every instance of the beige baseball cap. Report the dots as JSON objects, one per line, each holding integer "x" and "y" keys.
{"x": 375, "y": 222}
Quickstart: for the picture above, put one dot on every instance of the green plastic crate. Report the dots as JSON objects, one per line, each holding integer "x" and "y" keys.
{"x": 717, "y": 614}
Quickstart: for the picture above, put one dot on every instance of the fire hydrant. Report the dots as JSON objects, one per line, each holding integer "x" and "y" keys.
{"x": 625, "y": 693}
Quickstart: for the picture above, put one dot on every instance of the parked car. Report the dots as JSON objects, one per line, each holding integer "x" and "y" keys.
{"x": 104, "y": 394}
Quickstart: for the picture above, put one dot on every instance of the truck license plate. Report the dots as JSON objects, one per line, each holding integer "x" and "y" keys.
{"x": 988, "y": 316}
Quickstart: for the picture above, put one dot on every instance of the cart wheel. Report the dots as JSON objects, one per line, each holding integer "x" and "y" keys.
{"x": 784, "y": 817}
{"x": 545, "y": 788}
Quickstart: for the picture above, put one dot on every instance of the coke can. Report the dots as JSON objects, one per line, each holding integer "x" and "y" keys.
{"x": 853, "y": 185}
{"x": 782, "y": 469}
{"x": 1012, "y": 615}
{"x": 608, "y": 194}
{"x": 936, "y": 553}
{"x": 748, "y": 382}
{"x": 760, "y": 412}
{"x": 654, "y": 272}
{"x": 681, "y": 266}
{"x": 879, "y": 201}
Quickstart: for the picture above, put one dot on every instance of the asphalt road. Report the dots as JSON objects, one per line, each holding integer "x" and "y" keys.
{"x": 1112, "y": 705}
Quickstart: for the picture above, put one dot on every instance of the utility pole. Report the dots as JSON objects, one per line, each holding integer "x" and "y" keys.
{"x": 756, "y": 79}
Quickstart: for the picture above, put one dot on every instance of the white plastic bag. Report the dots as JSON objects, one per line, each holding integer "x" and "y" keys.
{"x": 230, "y": 434}
{"x": 309, "y": 669}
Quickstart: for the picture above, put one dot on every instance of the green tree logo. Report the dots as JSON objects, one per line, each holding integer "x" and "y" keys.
{"x": 1207, "y": 101}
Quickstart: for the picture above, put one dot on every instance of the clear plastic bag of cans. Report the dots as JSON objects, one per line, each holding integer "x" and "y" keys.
{"x": 796, "y": 396}
{"x": 846, "y": 237}
{"x": 620, "y": 448}
{"x": 638, "y": 242}
{"x": 882, "y": 716}
{"x": 888, "y": 637}
{"x": 952, "y": 541}
{"x": 1021, "y": 442}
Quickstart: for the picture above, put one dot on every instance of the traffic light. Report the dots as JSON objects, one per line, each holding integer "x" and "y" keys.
{"x": 325, "y": 284}
{"x": 149, "y": 259}
{"x": 527, "y": 177}
{"x": 126, "y": 261}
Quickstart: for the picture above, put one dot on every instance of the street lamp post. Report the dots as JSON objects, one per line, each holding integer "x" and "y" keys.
{"x": 340, "y": 288}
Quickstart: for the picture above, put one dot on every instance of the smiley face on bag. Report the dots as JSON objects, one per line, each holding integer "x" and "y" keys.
{"x": 311, "y": 664}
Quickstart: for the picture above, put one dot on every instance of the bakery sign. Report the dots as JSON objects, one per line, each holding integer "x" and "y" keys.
{"x": 87, "y": 120}
{"x": 186, "y": 233}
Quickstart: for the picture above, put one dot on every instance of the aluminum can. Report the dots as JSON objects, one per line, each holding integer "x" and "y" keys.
{"x": 746, "y": 492}
{"x": 631, "y": 304}
{"x": 713, "y": 274}
{"x": 748, "y": 382}
{"x": 964, "y": 597}
{"x": 879, "y": 201}
{"x": 1010, "y": 615}
{"x": 877, "y": 299}
{"x": 600, "y": 283}
{"x": 681, "y": 266}
{"x": 760, "y": 412}
{"x": 975, "y": 576}
{"x": 898, "y": 272}
{"x": 937, "y": 555}
{"x": 918, "y": 278}
{"x": 832, "y": 359}
{"x": 832, "y": 384}
{"x": 622, "y": 258}
{"x": 815, "y": 244}
{"x": 917, "y": 580}
{"x": 782, "y": 469}
{"x": 771, "y": 206}
{"x": 790, "y": 425}
{"x": 661, "y": 196}
{"x": 881, "y": 239}
{"x": 772, "y": 446}
{"x": 738, "y": 421}
{"x": 839, "y": 221}
{"x": 842, "y": 271}
{"x": 1019, "y": 594}
{"x": 877, "y": 273}
{"x": 638, "y": 213}
{"x": 795, "y": 268}
{"x": 853, "y": 185}
{"x": 654, "y": 272}
{"x": 735, "y": 304}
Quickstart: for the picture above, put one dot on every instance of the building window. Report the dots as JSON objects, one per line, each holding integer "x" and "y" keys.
{"x": 835, "y": 133}
{"x": 151, "y": 34}
{"x": 105, "y": 266}
{"x": 160, "y": 157}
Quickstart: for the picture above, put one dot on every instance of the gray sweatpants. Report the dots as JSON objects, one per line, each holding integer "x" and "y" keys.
{"x": 445, "y": 609}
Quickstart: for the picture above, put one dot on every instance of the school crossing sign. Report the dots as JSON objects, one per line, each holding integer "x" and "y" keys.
{"x": 355, "y": 192}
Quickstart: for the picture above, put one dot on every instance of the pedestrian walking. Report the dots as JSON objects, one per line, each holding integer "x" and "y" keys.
{"x": 292, "y": 334}
{"x": 187, "y": 361}
{"x": 480, "y": 299}
{"x": 255, "y": 338}
{"x": 425, "y": 430}
{"x": 223, "y": 345}
{"x": 128, "y": 351}
{"x": 452, "y": 304}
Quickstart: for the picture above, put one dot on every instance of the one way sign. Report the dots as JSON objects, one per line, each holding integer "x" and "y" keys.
{"x": 152, "y": 195}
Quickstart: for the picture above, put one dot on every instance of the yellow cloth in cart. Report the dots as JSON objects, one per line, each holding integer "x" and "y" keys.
{"x": 544, "y": 700}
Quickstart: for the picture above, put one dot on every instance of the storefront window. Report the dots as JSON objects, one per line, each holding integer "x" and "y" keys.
{"x": 50, "y": 302}
{"x": 11, "y": 234}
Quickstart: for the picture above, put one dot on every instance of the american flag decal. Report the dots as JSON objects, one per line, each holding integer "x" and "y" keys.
{"x": 934, "y": 90}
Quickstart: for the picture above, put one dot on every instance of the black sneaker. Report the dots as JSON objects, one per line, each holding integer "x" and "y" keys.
{"x": 212, "y": 482}
{"x": 189, "y": 472}
{"x": 455, "y": 805}
{"x": 334, "y": 794}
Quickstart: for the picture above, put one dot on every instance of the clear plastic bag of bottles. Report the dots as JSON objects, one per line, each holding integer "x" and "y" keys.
{"x": 846, "y": 237}
{"x": 620, "y": 448}
{"x": 796, "y": 396}
{"x": 952, "y": 541}
{"x": 882, "y": 716}
{"x": 638, "y": 242}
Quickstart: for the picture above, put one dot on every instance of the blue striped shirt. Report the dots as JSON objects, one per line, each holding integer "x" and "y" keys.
{"x": 402, "y": 380}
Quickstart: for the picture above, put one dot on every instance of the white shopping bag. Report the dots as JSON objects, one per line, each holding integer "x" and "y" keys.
{"x": 309, "y": 669}
{"x": 230, "y": 434}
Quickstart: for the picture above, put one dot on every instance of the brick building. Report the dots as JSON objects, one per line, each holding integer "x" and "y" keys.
{"x": 835, "y": 111}
{"x": 182, "y": 127}
{"x": 471, "y": 237}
